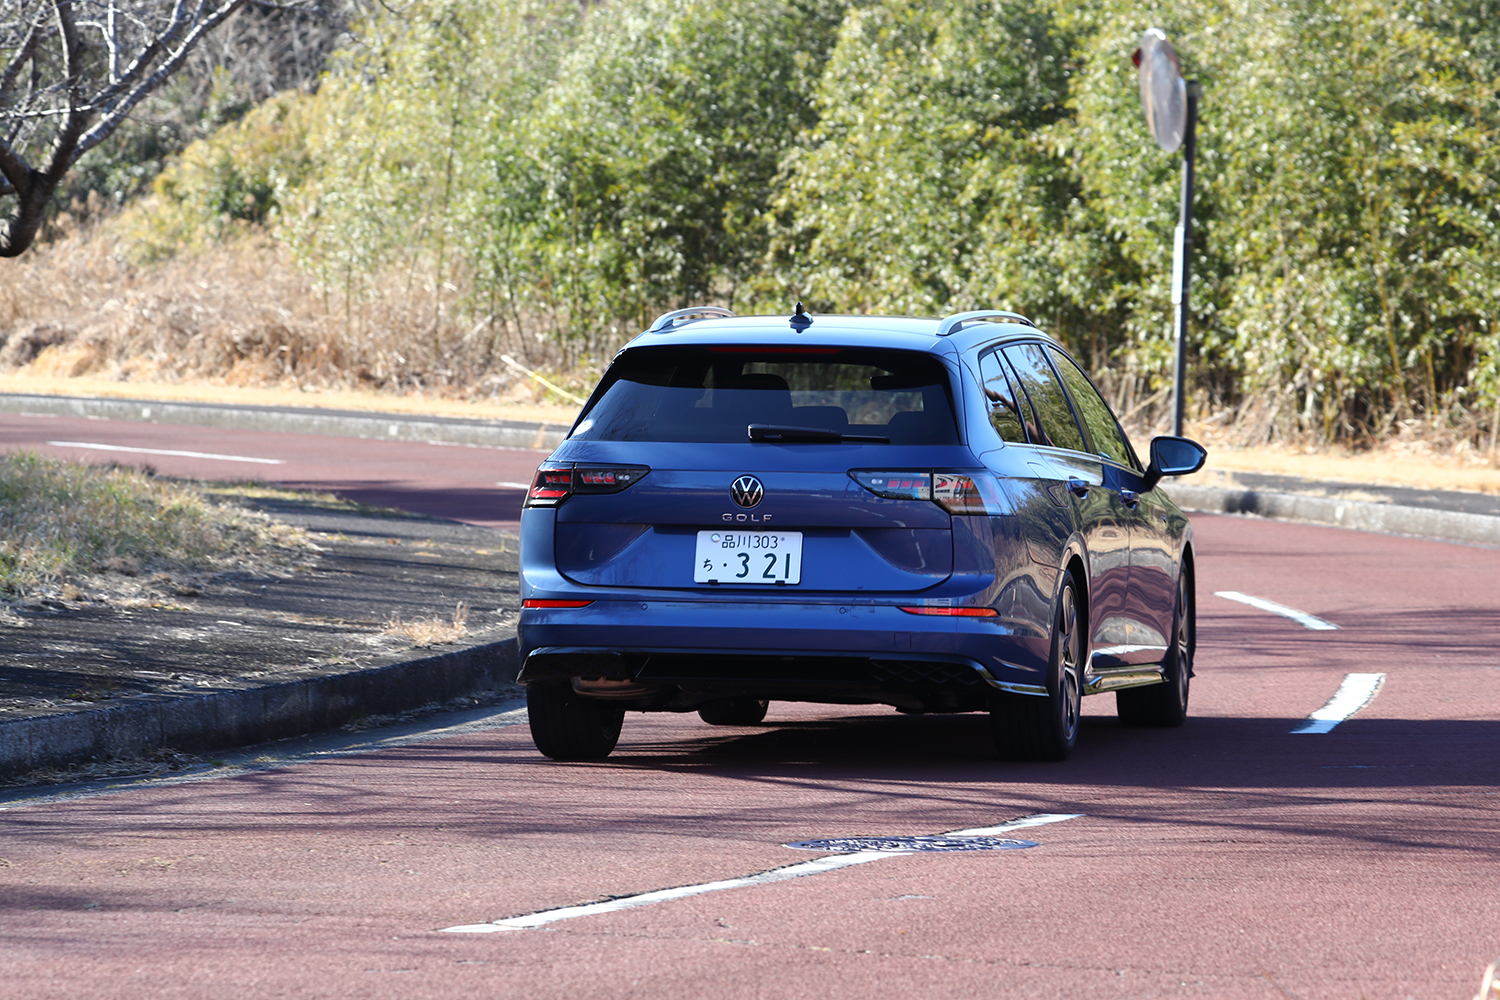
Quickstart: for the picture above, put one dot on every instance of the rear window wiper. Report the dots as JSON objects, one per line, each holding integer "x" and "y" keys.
{"x": 816, "y": 435}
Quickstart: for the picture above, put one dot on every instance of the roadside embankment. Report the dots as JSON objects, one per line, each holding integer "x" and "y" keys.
{"x": 259, "y": 655}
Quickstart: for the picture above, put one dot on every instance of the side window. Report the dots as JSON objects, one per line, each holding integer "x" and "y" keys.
{"x": 1003, "y": 401}
{"x": 1104, "y": 430}
{"x": 1058, "y": 427}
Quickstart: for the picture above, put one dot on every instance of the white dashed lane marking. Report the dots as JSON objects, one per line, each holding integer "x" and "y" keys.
{"x": 1357, "y": 691}
{"x": 541, "y": 918}
{"x": 165, "y": 451}
{"x": 1300, "y": 617}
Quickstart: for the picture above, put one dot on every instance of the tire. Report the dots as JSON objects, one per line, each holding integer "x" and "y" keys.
{"x": 1027, "y": 727}
{"x": 1165, "y": 705}
{"x": 734, "y": 711}
{"x": 567, "y": 726}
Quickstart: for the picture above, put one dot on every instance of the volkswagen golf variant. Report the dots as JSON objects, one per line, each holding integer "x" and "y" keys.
{"x": 940, "y": 515}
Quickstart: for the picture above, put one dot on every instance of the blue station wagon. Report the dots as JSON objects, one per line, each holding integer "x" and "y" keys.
{"x": 940, "y": 515}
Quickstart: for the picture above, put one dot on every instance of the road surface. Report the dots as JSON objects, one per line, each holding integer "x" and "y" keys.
{"x": 1231, "y": 858}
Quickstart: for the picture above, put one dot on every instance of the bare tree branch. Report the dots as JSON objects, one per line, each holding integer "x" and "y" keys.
{"x": 74, "y": 71}
{"x": 117, "y": 102}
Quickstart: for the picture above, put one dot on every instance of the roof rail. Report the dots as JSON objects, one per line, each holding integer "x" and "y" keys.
{"x": 668, "y": 320}
{"x": 952, "y": 324}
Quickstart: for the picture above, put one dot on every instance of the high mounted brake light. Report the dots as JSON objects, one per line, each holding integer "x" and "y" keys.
{"x": 772, "y": 349}
{"x": 556, "y": 481}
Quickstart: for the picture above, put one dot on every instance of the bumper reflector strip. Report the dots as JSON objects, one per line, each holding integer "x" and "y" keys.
{"x": 954, "y": 612}
{"x": 533, "y": 602}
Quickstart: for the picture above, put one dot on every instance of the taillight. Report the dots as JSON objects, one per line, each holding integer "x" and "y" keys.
{"x": 551, "y": 486}
{"x": 555, "y": 482}
{"x": 606, "y": 478}
{"x": 959, "y": 493}
{"x": 955, "y": 492}
{"x": 905, "y": 485}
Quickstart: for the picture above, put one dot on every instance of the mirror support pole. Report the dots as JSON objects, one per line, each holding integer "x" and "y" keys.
{"x": 1182, "y": 256}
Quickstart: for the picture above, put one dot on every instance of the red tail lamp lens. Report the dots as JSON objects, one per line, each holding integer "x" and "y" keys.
{"x": 606, "y": 479}
{"x": 555, "y": 483}
{"x": 551, "y": 486}
{"x": 534, "y": 602}
{"x": 954, "y": 612}
{"x": 955, "y": 492}
{"x": 898, "y": 485}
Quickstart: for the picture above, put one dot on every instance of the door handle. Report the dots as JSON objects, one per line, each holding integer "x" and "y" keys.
{"x": 1078, "y": 488}
{"x": 1131, "y": 497}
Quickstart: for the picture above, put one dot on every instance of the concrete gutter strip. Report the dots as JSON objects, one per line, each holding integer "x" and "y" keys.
{"x": 1390, "y": 519}
{"x": 305, "y": 420}
{"x": 247, "y": 716}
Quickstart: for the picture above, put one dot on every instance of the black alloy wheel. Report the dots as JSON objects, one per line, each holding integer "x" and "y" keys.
{"x": 734, "y": 711}
{"x": 1165, "y": 705}
{"x": 1028, "y": 727}
{"x": 568, "y": 726}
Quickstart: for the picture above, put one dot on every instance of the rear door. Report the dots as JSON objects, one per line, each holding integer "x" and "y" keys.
{"x": 757, "y": 469}
{"x": 1153, "y": 579}
{"x": 1099, "y": 515}
{"x": 1144, "y": 641}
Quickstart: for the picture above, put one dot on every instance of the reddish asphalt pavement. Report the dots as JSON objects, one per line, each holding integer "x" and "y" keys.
{"x": 1229, "y": 858}
{"x": 465, "y": 483}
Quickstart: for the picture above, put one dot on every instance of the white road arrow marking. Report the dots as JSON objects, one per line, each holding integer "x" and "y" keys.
{"x": 1300, "y": 617}
{"x": 529, "y": 921}
{"x": 1357, "y": 691}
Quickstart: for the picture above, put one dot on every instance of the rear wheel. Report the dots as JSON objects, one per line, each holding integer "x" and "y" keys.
{"x": 1165, "y": 705}
{"x": 734, "y": 711}
{"x": 1027, "y": 727}
{"x": 567, "y": 726}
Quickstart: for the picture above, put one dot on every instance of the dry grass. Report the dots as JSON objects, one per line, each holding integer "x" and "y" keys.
{"x": 77, "y": 532}
{"x": 1413, "y": 463}
{"x": 424, "y": 632}
{"x": 36, "y": 379}
{"x": 240, "y": 314}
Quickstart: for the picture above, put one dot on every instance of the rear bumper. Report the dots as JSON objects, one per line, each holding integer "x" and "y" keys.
{"x": 675, "y": 655}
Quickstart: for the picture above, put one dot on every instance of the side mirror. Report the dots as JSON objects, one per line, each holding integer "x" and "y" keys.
{"x": 1174, "y": 456}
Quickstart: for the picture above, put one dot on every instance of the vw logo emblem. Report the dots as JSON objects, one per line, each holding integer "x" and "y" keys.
{"x": 747, "y": 491}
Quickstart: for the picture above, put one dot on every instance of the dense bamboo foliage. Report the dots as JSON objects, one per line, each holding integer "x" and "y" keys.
{"x": 540, "y": 177}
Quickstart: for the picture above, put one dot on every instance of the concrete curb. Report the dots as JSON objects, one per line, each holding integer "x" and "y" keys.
{"x": 303, "y": 420}
{"x": 226, "y": 719}
{"x": 1390, "y": 519}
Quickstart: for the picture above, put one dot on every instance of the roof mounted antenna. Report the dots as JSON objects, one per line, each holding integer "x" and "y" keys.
{"x": 800, "y": 320}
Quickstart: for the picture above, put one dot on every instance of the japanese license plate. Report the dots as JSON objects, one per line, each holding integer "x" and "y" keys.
{"x": 762, "y": 557}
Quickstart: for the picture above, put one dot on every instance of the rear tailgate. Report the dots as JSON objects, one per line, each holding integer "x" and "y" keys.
{"x": 845, "y": 537}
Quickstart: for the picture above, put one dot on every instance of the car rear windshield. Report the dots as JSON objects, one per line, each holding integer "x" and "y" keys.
{"x": 714, "y": 394}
